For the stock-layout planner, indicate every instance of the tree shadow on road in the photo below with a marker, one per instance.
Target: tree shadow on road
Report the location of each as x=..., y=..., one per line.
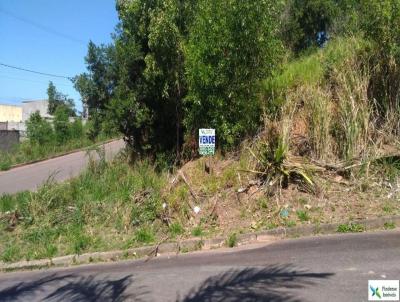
x=272, y=283
x=74, y=288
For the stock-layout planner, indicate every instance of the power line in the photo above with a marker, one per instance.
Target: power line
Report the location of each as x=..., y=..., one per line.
x=43, y=27
x=16, y=99
x=37, y=72
x=30, y=80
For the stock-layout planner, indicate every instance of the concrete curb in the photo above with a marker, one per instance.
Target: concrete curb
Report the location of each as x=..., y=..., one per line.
x=61, y=154
x=191, y=245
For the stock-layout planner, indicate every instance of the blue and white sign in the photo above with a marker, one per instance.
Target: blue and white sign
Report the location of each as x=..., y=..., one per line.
x=207, y=141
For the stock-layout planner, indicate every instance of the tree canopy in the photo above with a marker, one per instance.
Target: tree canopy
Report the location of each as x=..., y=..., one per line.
x=175, y=66
x=57, y=99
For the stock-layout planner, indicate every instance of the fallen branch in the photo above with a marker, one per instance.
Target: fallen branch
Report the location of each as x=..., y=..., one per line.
x=183, y=177
x=154, y=252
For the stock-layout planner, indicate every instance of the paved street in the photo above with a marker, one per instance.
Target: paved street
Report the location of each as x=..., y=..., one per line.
x=29, y=177
x=330, y=268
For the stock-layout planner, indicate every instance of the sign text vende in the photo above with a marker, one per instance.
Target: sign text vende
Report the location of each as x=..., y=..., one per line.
x=207, y=141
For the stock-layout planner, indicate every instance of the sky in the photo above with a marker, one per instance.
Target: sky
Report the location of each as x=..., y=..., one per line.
x=49, y=36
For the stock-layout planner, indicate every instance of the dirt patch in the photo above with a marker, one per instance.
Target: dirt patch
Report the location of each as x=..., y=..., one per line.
x=235, y=201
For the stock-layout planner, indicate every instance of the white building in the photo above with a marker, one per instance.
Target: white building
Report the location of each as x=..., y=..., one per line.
x=14, y=117
x=29, y=107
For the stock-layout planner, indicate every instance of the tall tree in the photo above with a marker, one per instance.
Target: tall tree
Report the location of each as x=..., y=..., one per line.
x=57, y=99
x=151, y=85
x=96, y=87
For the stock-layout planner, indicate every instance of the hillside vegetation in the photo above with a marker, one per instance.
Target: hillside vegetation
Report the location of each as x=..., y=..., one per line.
x=307, y=127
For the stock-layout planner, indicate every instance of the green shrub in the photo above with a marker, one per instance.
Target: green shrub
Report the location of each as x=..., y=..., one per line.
x=303, y=215
x=350, y=228
x=198, y=231
x=226, y=56
x=61, y=125
x=389, y=225
x=38, y=130
x=290, y=223
x=5, y=163
x=76, y=129
x=232, y=240
x=176, y=229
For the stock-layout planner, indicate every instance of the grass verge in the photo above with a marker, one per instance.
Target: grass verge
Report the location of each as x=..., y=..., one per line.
x=114, y=206
x=27, y=152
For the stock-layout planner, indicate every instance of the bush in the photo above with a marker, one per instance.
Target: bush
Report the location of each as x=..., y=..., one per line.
x=61, y=125
x=38, y=130
x=93, y=127
x=381, y=25
x=232, y=240
x=227, y=54
x=305, y=20
x=76, y=129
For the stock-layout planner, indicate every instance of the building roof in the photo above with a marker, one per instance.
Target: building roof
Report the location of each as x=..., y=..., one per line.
x=34, y=101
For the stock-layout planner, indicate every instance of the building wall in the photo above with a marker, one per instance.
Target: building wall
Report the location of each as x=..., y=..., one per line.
x=29, y=107
x=8, y=139
x=16, y=126
x=9, y=113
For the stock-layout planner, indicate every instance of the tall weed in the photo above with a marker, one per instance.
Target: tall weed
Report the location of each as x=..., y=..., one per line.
x=354, y=125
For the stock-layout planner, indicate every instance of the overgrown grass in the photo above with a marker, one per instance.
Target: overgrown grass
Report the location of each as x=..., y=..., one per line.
x=27, y=151
x=318, y=116
x=311, y=69
x=322, y=101
x=109, y=206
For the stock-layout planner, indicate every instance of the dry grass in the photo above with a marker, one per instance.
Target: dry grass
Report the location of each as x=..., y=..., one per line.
x=355, y=112
x=253, y=204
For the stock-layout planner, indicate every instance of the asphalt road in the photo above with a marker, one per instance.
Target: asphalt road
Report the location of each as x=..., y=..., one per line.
x=331, y=268
x=59, y=169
